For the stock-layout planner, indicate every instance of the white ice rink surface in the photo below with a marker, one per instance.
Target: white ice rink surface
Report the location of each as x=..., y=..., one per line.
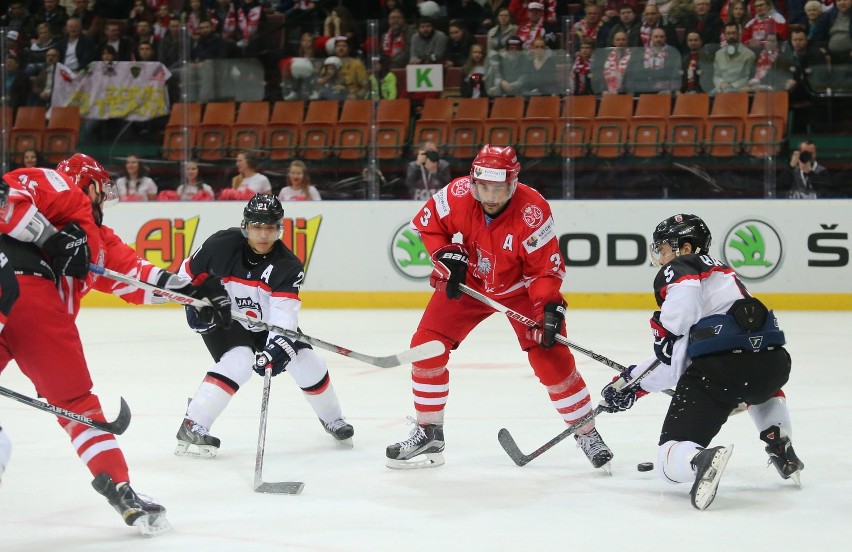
x=478, y=501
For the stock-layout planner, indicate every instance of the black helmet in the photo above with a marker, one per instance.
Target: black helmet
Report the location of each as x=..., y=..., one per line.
x=263, y=209
x=679, y=229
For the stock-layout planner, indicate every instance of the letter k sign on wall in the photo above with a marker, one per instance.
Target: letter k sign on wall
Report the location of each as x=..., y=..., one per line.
x=425, y=78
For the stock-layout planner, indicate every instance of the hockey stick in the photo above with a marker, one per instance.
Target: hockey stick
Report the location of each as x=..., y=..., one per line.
x=518, y=317
x=421, y=352
x=511, y=447
x=116, y=427
x=282, y=487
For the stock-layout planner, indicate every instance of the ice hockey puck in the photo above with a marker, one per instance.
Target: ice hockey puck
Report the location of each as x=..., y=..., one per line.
x=645, y=466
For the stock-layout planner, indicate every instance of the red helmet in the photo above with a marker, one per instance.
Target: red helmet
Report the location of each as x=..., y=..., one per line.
x=497, y=165
x=84, y=170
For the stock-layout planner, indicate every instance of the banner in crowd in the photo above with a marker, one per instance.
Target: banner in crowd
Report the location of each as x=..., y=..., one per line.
x=135, y=91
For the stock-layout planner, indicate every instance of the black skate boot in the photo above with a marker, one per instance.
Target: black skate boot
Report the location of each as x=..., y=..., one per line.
x=195, y=440
x=422, y=449
x=340, y=430
x=708, y=465
x=146, y=515
x=596, y=450
x=781, y=454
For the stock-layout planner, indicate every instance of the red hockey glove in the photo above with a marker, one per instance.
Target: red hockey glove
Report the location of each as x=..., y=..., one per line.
x=449, y=270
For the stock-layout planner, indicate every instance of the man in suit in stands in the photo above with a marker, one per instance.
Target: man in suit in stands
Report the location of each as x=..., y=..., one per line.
x=75, y=50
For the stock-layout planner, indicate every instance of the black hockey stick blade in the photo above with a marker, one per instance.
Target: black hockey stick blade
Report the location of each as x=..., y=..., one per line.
x=521, y=459
x=116, y=427
x=511, y=447
x=283, y=487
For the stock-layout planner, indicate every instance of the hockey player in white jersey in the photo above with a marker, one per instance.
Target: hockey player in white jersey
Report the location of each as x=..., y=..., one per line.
x=720, y=346
x=262, y=277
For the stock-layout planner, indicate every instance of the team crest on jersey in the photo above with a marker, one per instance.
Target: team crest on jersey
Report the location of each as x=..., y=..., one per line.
x=532, y=241
x=532, y=215
x=461, y=187
x=249, y=306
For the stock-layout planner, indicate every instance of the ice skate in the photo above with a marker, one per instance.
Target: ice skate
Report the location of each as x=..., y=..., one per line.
x=595, y=449
x=422, y=449
x=709, y=465
x=340, y=430
x=142, y=513
x=782, y=455
x=195, y=440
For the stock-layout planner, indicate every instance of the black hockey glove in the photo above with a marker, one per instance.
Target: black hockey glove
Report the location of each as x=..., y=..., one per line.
x=69, y=249
x=219, y=314
x=449, y=270
x=193, y=318
x=663, y=340
x=277, y=354
x=549, y=325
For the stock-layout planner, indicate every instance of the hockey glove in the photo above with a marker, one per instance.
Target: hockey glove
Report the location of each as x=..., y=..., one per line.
x=663, y=340
x=69, y=249
x=277, y=354
x=219, y=313
x=549, y=325
x=193, y=318
x=449, y=270
x=617, y=396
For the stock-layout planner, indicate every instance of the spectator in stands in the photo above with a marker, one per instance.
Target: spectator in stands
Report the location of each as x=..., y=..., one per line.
x=330, y=85
x=13, y=48
x=18, y=85
x=628, y=24
x=303, y=16
x=108, y=56
x=123, y=46
x=772, y=69
x=492, y=13
x=298, y=74
x=470, y=13
x=135, y=184
x=145, y=35
x=428, y=173
x=696, y=66
x=513, y=69
x=42, y=87
x=20, y=20
x=810, y=71
x=521, y=14
x=396, y=42
x=206, y=49
x=145, y=52
x=589, y=27
x=458, y=45
x=140, y=12
x=428, y=44
x=38, y=51
x=162, y=19
x=382, y=80
x=533, y=27
x=809, y=177
x=76, y=50
x=733, y=65
x=194, y=190
x=611, y=66
x=353, y=74
x=32, y=158
x=250, y=16
x=660, y=67
x=813, y=11
x=500, y=33
x=192, y=16
x=581, y=70
x=92, y=24
x=543, y=75
x=248, y=180
x=738, y=15
x=473, y=83
x=54, y=15
x=766, y=22
x=169, y=50
x=299, y=187
x=834, y=32
x=651, y=19
x=706, y=23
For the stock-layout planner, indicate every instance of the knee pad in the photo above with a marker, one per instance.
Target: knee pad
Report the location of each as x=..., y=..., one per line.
x=307, y=369
x=422, y=336
x=236, y=365
x=552, y=366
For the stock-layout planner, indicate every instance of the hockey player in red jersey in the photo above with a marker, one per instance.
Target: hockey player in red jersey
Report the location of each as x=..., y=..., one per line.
x=51, y=232
x=8, y=296
x=263, y=278
x=509, y=251
x=720, y=346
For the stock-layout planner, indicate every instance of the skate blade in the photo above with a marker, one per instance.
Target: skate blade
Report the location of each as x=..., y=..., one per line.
x=284, y=487
x=706, y=490
x=152, y=525
x=430, y=460
x=606, y=468
x=345, y=443
x=196, y=451
x=797, y=479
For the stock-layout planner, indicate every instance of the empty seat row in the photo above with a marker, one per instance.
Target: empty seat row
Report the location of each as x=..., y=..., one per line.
x=323, y=128
x=55, y=138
